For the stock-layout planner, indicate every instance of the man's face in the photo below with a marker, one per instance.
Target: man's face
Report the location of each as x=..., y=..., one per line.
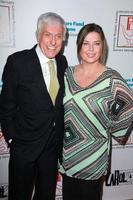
x=50, y=39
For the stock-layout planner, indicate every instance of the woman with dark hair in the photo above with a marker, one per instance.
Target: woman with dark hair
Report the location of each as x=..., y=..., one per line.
x=98, y=106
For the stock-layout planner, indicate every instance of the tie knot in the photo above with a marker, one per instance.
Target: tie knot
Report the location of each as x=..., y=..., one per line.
x=50, y=63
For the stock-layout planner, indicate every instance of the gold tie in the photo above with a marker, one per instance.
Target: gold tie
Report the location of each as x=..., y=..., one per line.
x=54, y=84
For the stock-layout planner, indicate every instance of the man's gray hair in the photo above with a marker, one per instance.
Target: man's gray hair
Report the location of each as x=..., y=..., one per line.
x=48, y=18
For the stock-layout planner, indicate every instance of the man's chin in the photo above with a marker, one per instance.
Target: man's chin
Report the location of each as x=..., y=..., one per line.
x=51, y=55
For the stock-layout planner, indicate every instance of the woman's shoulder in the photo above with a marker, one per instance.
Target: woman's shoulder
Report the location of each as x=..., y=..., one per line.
x=113, y=72
x=116, y=76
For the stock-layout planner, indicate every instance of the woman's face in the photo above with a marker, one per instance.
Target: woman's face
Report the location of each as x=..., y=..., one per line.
x=91, y=49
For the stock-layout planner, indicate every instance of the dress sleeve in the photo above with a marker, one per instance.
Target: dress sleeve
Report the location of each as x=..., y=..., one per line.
x=121, y=110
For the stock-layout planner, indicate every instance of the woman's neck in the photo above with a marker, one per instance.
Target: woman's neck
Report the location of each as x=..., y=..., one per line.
x=91, y=69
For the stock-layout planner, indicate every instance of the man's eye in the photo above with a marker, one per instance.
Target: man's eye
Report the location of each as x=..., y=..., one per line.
x=59, y=36
x=46, y=34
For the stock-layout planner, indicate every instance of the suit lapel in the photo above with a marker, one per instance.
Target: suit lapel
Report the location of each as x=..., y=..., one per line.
x=37, y=71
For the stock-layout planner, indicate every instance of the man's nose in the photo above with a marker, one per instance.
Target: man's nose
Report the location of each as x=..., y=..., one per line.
x=53, y=40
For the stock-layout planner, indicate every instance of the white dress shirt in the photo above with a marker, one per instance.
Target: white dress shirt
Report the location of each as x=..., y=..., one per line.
x=44, y=65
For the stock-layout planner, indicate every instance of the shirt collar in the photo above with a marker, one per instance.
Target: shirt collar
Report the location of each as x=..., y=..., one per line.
x=43, y=59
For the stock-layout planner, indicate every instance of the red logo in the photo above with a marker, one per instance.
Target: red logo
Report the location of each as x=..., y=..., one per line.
x=3, y=145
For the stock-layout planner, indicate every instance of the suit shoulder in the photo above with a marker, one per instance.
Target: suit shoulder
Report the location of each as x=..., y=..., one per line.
x=62, y=59
x=19, y=54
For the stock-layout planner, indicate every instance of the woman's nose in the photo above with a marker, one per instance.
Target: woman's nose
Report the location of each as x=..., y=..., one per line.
x=91, y=47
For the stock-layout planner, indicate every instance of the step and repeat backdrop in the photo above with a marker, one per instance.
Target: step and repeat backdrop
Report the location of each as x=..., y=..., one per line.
x=17, y=32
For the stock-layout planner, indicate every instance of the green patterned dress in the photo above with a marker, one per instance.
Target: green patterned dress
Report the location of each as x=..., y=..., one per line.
x=93, y=115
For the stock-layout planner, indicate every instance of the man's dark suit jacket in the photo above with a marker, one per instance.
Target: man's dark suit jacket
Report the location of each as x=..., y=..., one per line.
x=26, y=110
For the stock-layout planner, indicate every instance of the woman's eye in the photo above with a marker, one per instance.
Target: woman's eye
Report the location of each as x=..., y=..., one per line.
x=85, y=43
x=97, y=43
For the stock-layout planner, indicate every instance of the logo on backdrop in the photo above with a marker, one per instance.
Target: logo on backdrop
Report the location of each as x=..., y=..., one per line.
x=120, y=177
x=123, y=31
x=3, y=191
x=59, y=188
x=73, y=27
x=3, y=147
x=130, y=82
